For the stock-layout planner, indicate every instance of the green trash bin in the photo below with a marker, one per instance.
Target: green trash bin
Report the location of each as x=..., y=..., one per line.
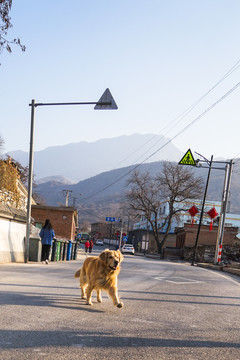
x=35, y=249
x=58, y=247
x=61, y=250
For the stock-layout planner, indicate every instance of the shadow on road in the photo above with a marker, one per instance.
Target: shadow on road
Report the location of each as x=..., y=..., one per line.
x=33, y=339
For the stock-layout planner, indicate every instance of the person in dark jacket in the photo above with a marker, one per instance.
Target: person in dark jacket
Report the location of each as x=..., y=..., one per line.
x=90, y=246
x=46, y=234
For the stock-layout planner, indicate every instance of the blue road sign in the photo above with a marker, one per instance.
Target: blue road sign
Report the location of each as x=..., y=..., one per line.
x=124, y=239
x=112, y=219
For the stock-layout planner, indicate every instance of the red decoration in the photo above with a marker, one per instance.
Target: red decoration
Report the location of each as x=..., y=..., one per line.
x=212, y=213
x=193, y=211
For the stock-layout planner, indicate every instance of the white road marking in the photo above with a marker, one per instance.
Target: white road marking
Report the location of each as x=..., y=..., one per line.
x=178, y=280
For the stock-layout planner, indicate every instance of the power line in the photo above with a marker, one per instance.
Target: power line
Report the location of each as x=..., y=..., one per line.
x=174, y=137
x=179, y=118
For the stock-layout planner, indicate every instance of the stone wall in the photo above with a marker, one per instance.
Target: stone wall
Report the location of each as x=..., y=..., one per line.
x=206, y=253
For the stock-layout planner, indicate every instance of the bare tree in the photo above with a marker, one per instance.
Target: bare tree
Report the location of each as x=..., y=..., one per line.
x=85, y=226
x=144, y=199
x=173, y=185
x=5, y=25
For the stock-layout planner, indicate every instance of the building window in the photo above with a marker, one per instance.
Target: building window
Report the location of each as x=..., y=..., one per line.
x=39, y=225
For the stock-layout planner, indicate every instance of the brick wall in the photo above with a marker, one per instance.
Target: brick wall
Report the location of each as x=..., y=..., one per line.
x=186, y=236
x=61, y=218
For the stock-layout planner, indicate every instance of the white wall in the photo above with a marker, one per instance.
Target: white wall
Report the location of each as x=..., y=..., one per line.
x=12, y=235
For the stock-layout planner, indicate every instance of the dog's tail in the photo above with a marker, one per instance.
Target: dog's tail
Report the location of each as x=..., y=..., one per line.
x=77, y=273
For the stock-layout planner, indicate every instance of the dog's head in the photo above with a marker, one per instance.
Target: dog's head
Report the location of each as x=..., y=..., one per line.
x=111, y=258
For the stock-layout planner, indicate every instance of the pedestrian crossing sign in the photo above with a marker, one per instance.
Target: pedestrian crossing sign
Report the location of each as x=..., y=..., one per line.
x=188, y=159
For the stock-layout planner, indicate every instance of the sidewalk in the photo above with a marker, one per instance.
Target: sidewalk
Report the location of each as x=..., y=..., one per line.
x=235, y=270
x=225, y=268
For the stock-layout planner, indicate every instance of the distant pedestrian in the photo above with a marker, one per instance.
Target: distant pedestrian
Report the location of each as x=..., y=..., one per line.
x=90, y=246
x=87, y=245
x=46, y=234
x=139, y=246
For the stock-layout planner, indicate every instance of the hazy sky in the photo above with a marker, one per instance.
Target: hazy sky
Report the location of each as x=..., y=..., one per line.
x=157, y=57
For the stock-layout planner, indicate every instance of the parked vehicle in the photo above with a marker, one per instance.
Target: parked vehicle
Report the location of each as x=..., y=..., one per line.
x=128, y=249
x=99, y=242
x=82, y=237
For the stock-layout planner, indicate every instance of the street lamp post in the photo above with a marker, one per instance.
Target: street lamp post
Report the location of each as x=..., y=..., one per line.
x=106, y=102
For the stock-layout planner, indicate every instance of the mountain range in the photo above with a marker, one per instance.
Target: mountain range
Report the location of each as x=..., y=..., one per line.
x=95, y=174
x=102, y=195
x=79, y=161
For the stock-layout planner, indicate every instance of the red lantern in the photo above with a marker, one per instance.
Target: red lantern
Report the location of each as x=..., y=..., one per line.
x=193, y=211
x=212, y=213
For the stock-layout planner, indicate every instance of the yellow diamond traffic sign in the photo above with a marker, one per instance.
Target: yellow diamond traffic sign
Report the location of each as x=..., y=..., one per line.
x=188, y=159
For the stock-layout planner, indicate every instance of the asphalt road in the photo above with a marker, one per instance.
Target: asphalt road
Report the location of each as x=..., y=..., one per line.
x=171, y=311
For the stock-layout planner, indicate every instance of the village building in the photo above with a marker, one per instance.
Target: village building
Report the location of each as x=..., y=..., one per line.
x=64, y=220
x=13, y=213
x=182, y=233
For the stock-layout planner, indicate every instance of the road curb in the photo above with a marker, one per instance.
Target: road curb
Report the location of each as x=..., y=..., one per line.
x=223, y=268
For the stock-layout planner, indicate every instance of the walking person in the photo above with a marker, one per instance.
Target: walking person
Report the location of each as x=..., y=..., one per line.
x=90, y=246
x=87, y=244
x=46, y=234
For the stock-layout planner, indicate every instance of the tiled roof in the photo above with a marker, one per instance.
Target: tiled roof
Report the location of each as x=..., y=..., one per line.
x=12, y=213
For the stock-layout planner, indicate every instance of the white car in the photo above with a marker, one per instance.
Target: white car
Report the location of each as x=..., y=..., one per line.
x=128, y=249
x=99, y=242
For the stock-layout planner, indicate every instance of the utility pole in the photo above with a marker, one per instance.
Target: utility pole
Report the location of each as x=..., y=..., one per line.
x=74, y=200
x=66, y=193
x=189, y=160
x=225, y=196
x=202, y=211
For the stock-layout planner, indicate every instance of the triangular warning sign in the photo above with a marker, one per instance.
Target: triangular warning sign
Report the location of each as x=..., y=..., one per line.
x=188, y=159
x=106, y=102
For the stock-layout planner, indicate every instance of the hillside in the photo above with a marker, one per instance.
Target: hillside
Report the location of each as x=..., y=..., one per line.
x=99, y=199
x=83, y=160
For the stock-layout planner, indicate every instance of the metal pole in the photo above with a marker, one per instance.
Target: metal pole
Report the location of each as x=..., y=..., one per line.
x=30, y=179
x=121, y=231
x=202, y=211
x=146, y=240
x=221, y=214
x=225, y=196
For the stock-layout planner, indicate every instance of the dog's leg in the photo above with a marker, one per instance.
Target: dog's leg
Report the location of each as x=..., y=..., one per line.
x=83, y=283
x=83, y=288
x=89, y=295
x=99, y=297
x=114, y=296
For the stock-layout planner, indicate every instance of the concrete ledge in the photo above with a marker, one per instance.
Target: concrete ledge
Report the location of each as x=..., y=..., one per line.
x=220, y=268
x=232, y=270
x=210, y=266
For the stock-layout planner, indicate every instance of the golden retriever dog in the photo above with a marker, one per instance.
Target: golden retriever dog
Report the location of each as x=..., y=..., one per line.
x=100, y=273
